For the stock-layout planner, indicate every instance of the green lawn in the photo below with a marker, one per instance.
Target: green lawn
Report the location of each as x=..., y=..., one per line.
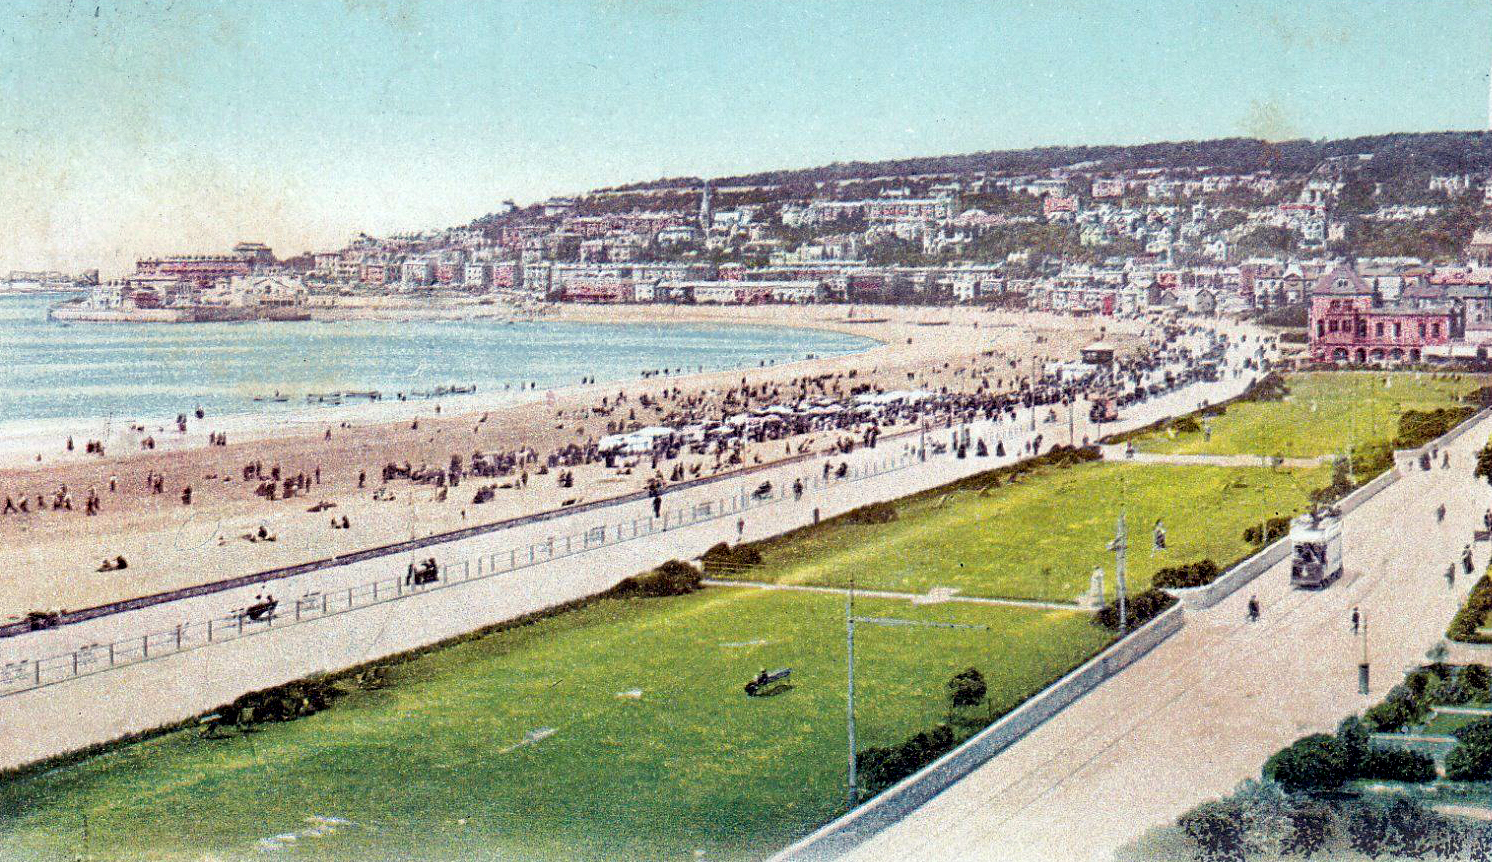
x=1445, y=725
x=427, y=768
x=1324, y=412
x=1041, y=537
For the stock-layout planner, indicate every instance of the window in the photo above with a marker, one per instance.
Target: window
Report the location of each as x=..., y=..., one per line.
x=1398, y=329
x=1378, y=329
x=1436, y=329
x=1321, y=327
x=1333, y=325
x=1421, y=330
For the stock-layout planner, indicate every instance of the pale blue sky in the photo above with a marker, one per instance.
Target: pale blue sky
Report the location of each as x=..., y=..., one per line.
x=148, y=127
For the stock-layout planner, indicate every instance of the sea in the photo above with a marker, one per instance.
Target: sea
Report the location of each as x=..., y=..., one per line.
x=60, y=375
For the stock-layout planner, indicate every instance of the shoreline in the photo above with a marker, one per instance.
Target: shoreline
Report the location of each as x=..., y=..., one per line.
x=52, y=555
x=22, y=440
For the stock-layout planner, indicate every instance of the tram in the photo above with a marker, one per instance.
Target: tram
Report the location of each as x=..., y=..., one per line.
x=1316, y=550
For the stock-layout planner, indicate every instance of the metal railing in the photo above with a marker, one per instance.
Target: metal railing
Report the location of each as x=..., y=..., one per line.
x=27, y=674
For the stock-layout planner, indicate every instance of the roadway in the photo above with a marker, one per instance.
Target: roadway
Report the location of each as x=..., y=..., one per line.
x=1206, y=708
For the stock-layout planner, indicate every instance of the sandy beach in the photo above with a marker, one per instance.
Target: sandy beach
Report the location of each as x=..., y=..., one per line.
x=51, y=556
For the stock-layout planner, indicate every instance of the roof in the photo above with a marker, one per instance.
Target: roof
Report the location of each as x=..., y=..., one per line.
x=1354, y=286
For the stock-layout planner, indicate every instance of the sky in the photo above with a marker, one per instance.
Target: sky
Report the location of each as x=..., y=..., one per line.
x=140, y=127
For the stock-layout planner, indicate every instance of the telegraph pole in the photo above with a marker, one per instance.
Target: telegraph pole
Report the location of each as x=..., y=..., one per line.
x=852, y=786
x=1119, y=546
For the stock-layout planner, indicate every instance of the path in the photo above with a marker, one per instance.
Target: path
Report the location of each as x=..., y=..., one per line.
x=1117, y=453
x=933, y=596
x=1207, y=708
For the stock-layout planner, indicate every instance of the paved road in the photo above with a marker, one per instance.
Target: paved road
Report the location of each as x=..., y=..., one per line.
x=1206, y=708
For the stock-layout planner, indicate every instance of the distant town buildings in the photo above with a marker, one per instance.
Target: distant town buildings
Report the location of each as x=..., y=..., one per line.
x=1079, y=239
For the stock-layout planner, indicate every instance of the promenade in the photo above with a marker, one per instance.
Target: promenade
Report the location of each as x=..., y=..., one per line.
x=485, y=580
x=1206, y=708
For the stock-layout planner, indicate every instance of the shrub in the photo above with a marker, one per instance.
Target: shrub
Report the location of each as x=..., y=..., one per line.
x=1271, y=387
x=1187, y=425
x=1477, y=678
x=1313, y=763
x=1141, y=608
x=1352, y=736
x=873, y=513
x=1398, y=709
x=1198, y=574
x=673, y=578
x=1469, y=618
x=1484, y=464
x=881, y=767
x=1274, y=528
x=1398, y=765
x=1217, y=829
x=285, y=702
x=967, y=688
x=1418, y=427
x=724, y=559
x=1471, y=759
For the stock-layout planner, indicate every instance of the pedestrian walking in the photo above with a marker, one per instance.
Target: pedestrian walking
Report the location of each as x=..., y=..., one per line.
x=1450, y=576
x=1253, y=609
x=1356, y=621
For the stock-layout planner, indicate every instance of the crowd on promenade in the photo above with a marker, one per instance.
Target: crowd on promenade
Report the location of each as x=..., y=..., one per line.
x=676, y=434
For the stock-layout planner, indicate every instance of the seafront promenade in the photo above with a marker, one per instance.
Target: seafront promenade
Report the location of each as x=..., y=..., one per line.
x=487, y=577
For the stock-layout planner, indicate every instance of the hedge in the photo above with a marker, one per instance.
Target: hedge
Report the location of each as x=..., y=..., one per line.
x=1141, y=608
x=1198, y=574
x=673, y=578
x=1418, y=427
x=1274, y=528
x=1468, y=619
x=880, y=767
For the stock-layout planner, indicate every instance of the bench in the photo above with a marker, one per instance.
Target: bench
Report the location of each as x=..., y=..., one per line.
x=767, y=680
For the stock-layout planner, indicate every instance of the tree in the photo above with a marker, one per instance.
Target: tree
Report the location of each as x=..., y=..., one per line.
x=1313, y=763
x=1352, y=736
x=1217, y=828
x=1471, y=759
x=967, y=688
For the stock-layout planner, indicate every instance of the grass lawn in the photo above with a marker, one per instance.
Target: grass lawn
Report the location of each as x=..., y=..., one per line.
x=1445, y=725
x=1324, y=412
x=433, y=768
x=1041, y=537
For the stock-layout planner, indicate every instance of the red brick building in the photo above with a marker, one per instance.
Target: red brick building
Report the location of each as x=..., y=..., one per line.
x=1349, y=322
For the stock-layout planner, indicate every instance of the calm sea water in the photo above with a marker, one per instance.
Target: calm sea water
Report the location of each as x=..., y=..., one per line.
x=120, y=371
